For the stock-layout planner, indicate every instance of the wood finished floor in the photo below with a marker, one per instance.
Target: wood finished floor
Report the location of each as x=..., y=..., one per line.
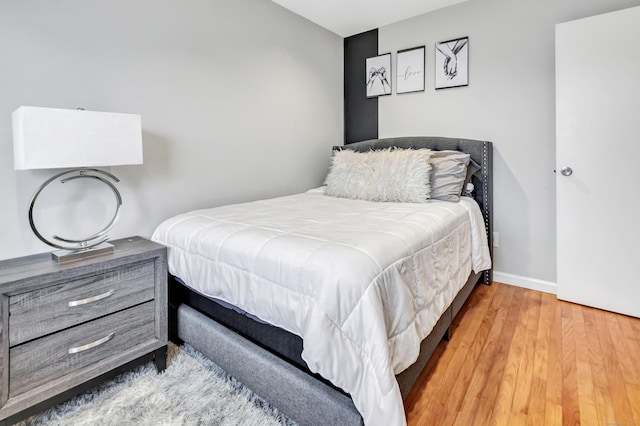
x=521, y=357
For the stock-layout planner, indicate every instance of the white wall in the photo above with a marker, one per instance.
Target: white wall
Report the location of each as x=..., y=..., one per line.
x=239, y=100
x=510, y=101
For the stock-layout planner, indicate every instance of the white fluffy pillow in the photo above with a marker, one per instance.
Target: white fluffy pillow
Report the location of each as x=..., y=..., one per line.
x=400, y=175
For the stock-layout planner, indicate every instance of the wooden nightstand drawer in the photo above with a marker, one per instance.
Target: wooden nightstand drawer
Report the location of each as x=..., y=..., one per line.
x=109, y=309
x=45, y=359
x=56, y=307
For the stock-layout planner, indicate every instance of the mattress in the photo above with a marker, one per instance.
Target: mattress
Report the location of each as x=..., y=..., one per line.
x=361, y=282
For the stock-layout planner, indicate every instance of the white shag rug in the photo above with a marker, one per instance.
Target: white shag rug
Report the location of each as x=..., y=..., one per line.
x=191, y=391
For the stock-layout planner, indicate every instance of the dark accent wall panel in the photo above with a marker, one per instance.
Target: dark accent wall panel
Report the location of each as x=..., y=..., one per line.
x=360, y=112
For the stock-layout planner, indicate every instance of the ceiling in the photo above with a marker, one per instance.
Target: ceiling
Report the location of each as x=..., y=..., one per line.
x=349, y=17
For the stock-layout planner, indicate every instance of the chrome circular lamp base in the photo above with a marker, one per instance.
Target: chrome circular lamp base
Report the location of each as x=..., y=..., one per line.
x=91, y=244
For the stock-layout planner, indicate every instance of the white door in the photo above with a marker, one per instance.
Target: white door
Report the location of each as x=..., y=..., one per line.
x=598, y=161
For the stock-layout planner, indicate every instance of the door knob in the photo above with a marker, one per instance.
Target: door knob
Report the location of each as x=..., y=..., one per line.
x=566, y=171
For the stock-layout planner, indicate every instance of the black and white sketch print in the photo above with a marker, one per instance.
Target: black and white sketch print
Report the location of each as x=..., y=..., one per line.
x=378, y=75
x=410, y=70
x=452, y=63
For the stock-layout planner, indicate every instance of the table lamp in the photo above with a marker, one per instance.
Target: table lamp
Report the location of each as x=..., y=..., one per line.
x=78, y=140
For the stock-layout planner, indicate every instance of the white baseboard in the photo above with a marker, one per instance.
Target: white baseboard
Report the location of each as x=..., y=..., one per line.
x=525, y=282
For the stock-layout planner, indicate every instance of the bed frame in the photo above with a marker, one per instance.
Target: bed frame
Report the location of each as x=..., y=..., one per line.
x=267, y=359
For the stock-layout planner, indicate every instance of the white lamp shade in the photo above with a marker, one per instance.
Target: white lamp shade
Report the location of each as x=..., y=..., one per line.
x=45, y=138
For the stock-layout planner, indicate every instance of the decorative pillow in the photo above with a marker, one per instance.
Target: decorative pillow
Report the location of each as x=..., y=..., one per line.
x=472, y=169
x=449, y=170
x=400, y=175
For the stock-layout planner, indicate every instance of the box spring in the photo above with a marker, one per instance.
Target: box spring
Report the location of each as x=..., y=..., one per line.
x=267, y=359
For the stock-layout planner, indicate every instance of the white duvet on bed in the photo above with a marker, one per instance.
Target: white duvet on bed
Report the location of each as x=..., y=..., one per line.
x=361, y=282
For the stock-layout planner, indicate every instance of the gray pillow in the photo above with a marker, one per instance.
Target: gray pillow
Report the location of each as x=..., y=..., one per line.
x=472, y=169
x=448, y=174
x=400, y=175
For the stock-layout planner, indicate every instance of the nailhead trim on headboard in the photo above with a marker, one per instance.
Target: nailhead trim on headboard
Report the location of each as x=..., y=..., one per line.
x=487, y=278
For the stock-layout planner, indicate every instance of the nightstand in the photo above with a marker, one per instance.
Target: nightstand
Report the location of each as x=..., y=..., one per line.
x=66, y=326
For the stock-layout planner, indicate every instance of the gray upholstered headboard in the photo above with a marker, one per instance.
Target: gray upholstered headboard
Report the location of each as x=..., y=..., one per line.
x=480, y=151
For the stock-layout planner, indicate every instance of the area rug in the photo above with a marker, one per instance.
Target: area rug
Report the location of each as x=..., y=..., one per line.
x=191, y=391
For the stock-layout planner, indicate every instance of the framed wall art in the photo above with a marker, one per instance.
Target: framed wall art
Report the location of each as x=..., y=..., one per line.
x=410, y=70
x=452, y=63
x=378, y=75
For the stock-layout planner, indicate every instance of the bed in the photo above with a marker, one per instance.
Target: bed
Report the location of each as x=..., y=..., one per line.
x=303, y=296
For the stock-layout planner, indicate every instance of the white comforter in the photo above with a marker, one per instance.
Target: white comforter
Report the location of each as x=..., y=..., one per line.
x=361, y=282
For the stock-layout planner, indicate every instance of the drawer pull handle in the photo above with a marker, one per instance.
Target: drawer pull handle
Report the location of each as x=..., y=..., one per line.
x=91, y=345
x=91, y=299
